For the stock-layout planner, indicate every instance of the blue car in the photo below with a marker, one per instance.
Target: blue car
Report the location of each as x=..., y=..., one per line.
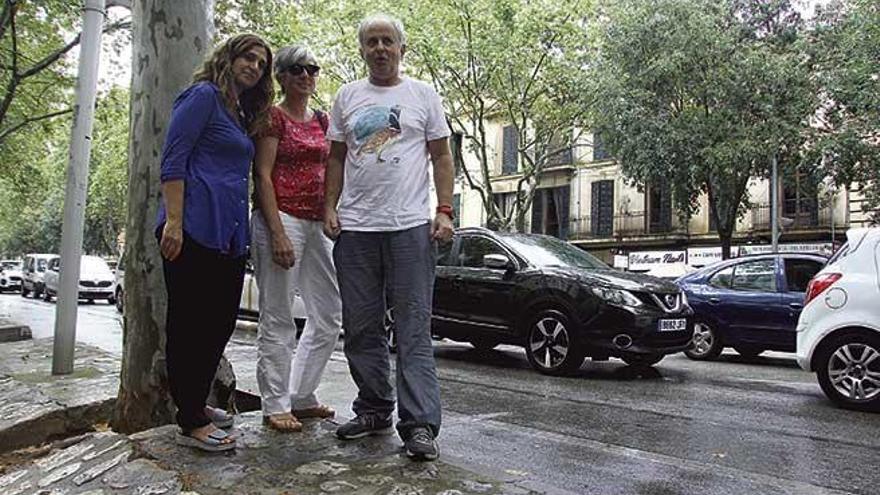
x=751, y=304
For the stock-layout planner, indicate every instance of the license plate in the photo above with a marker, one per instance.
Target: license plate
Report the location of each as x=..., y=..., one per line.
x=675, y=325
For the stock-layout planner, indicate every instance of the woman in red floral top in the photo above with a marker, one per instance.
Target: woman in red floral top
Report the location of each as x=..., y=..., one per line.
x=290, y=250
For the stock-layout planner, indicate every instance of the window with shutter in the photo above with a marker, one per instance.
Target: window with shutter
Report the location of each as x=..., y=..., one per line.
x=602, y=208
x=509, y=150
x=538, y=212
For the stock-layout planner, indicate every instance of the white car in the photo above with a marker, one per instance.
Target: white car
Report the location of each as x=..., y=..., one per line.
x=10, y=275
x=249, y=306
x=96, y=280
x=838, y=333
x=33, y=269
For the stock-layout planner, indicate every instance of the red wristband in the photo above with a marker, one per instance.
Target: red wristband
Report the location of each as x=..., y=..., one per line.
x=446, y=210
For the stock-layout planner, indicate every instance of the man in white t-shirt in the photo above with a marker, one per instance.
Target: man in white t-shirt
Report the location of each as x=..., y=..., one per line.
x=385, y=132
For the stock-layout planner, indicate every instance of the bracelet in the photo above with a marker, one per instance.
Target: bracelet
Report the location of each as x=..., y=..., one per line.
x=446, y=210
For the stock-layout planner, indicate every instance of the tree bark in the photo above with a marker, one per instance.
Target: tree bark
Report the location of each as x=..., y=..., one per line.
x=169, y=39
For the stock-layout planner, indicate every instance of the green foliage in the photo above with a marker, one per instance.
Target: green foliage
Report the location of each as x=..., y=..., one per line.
x=517, y=62
x=32, y=210
x=846, y=53
x=700, y=95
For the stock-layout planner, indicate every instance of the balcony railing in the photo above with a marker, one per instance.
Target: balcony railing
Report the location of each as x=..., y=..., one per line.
x=795, y=215
x=633, y=224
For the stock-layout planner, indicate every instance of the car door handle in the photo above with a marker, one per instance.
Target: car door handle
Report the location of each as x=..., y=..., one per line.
x=796, y=306
x=714, y=300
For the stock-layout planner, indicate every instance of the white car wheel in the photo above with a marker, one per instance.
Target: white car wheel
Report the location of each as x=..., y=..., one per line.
x=849, y=371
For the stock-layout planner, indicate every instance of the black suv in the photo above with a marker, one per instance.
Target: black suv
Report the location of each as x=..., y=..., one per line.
x=556, y=300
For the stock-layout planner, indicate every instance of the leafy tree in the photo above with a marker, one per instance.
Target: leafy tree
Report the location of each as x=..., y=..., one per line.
x=847, y=63
x=521, y=63
x=36, y=77
x=700, y=95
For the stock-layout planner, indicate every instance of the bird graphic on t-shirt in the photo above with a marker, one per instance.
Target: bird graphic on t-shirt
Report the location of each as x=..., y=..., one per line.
x=375, y=128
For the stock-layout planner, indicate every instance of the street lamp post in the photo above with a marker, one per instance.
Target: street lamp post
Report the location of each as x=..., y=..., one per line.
x=77, y=187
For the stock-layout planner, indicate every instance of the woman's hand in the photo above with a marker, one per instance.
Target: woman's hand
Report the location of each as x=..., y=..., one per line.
x=282, y=251
x=172, y=240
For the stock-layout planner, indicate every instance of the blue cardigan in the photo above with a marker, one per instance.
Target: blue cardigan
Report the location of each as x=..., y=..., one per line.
x=208, y=149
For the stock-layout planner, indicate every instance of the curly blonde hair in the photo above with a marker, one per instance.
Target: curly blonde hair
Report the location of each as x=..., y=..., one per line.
x=256, y=101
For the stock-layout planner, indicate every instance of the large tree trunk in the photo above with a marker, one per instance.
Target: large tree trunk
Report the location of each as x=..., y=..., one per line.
x=169, y=39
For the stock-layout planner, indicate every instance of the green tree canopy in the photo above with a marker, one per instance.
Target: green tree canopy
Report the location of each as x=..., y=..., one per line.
x=699, y=95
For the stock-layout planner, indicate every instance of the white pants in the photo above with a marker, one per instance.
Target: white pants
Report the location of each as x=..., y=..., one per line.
x=286, y=380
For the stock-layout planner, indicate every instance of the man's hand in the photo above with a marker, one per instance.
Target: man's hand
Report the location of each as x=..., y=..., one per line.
x=282, y=251
x=442, y=229
x=331, y=223
x=172, y=240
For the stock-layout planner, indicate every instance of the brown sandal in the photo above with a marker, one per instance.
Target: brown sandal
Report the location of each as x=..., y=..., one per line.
x=284, y=423
x=320, y=411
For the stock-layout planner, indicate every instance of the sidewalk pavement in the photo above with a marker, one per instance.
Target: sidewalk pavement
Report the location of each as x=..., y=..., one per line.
x=36, y=406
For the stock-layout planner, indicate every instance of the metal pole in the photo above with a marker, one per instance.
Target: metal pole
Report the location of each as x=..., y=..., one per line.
x=774, y=205
x=77, y=187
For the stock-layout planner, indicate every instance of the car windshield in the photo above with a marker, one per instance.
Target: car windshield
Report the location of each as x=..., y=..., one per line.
x=93, y=264
x=550, y=251
x=11, y=265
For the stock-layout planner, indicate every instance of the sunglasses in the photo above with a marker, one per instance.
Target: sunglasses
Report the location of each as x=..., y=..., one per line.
x=297, y=69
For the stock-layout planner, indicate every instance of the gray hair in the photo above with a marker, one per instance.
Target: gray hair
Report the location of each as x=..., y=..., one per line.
x=292, y=55
x=377, y=19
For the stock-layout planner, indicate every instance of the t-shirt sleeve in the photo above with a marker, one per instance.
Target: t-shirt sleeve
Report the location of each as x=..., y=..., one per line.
x=437, y=127
x=191, y=112
x=336, y=132
x=276, y=124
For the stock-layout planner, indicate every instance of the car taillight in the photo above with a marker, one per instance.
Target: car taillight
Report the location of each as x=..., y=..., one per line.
x=818, y=285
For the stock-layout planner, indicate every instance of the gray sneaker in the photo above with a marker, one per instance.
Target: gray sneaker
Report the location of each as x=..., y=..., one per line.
x=421, y=445
x=364, y=425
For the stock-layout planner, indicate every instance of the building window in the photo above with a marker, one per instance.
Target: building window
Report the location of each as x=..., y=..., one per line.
x=559, y=151
x=800, y=199
x=602, y=208
x=550, y=211
x=504, y=202
x=659, y=201
x=599, y=151
x=509, y=149
x=456, y=143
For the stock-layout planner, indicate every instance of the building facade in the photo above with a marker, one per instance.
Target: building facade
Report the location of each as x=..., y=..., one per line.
x=583, y=198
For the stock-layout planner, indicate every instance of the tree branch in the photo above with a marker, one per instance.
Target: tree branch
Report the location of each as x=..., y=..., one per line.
x=31, y=120
x=9, y=7
x=54, y=56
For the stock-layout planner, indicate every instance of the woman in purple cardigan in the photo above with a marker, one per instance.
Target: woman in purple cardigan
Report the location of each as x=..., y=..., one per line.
x=203, y=224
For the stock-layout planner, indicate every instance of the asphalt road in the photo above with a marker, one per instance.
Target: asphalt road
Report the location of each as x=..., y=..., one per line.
x=735, y=426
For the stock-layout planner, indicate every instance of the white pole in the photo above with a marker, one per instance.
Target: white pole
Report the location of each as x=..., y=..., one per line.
x=774, y=205
x=77, y=187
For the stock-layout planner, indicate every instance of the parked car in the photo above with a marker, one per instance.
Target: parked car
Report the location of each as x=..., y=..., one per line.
x=95, y=279
x=33, y=270
x=10, y=275
x=557, y=301
x=750, y=303
x=838, y=333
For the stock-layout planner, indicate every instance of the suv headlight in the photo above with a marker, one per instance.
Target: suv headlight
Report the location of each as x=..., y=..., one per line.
x=620, y=297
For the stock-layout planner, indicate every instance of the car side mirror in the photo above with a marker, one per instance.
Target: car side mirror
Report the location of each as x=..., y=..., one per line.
x=496, y=261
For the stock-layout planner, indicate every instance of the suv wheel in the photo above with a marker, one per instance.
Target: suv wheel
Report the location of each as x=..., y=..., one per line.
x=551, y=346
x=24, y=291
x=848, y=370
x=47, y=296
x=706, y=343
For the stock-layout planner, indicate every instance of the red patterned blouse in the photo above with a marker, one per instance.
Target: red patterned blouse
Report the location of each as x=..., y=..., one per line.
x=300, y=163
